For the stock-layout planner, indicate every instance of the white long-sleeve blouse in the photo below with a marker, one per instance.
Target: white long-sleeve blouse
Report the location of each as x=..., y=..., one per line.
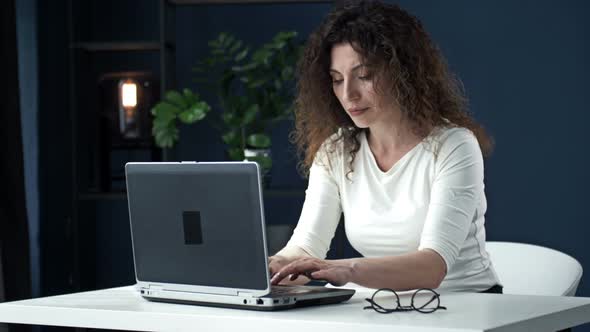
x=433, y=197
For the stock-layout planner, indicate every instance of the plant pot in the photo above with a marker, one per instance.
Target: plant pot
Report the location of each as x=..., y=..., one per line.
x=264, y=160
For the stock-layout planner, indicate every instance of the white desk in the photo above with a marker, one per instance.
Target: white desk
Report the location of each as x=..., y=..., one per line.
x=122, y=309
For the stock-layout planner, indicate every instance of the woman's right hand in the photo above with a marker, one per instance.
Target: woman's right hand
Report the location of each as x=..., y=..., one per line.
x=277, y=262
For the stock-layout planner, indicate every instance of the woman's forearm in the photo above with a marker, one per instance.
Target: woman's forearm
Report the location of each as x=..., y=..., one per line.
x=419, y=269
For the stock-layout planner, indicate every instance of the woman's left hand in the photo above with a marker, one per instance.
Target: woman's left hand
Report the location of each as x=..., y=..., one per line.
x=314, y=268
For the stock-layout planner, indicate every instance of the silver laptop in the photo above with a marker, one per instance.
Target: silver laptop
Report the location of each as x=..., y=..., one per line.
x=198, y=236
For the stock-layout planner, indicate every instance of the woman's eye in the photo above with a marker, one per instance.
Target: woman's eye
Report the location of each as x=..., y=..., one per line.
x=365, y=77
x=336, y=82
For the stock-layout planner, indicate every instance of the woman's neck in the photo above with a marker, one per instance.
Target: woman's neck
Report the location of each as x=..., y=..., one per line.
x=390, y=138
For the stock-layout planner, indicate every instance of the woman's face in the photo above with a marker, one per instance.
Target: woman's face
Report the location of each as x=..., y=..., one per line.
x=352, y=83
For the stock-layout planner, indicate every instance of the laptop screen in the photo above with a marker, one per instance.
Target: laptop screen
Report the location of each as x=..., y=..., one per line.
x=197, y=224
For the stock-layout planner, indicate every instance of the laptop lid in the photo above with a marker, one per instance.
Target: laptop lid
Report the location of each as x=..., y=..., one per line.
x=198, y=226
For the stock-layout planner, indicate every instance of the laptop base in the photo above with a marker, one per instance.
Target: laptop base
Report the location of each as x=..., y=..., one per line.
x=296, y=304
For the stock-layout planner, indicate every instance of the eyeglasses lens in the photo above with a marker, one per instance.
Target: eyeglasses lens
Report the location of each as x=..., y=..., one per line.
x=386, y=299
x=425, y=301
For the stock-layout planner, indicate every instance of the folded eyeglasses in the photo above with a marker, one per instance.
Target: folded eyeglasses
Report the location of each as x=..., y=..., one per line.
x=424, y=300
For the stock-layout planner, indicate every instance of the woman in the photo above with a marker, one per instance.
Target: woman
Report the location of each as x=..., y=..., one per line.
x=387, y=140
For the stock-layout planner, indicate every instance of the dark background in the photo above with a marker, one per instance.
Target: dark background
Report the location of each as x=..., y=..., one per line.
x=524, y=65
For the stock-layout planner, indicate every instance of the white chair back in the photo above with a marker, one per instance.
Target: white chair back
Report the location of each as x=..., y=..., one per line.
x=534, y=270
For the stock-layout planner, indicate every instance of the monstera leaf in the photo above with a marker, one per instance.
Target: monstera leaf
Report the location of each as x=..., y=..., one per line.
x=185, y=107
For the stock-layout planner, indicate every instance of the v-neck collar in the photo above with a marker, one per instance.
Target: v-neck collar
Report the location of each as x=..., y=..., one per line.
x=396, y=165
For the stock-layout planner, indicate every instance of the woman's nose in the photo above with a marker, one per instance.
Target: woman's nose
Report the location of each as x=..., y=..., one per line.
x=351, y=91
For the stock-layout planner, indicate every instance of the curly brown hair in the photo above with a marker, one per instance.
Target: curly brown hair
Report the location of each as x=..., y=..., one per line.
x=407, y=66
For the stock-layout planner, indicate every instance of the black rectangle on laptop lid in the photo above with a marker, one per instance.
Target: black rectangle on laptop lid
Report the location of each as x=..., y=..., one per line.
x=197, y=224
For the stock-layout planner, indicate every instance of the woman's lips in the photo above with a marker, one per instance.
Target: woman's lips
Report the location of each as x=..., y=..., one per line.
x=357, y=111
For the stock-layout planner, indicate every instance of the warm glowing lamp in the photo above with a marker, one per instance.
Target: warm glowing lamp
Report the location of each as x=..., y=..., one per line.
x=128, y=110
x=129, y=94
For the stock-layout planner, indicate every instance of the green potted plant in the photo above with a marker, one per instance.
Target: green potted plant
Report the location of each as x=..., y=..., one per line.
x=255, y=90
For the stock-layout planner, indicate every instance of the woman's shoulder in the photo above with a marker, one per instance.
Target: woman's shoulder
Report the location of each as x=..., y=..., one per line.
x=451, y=140
x=333, y=145
x=452, y=134
x=331, y=150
